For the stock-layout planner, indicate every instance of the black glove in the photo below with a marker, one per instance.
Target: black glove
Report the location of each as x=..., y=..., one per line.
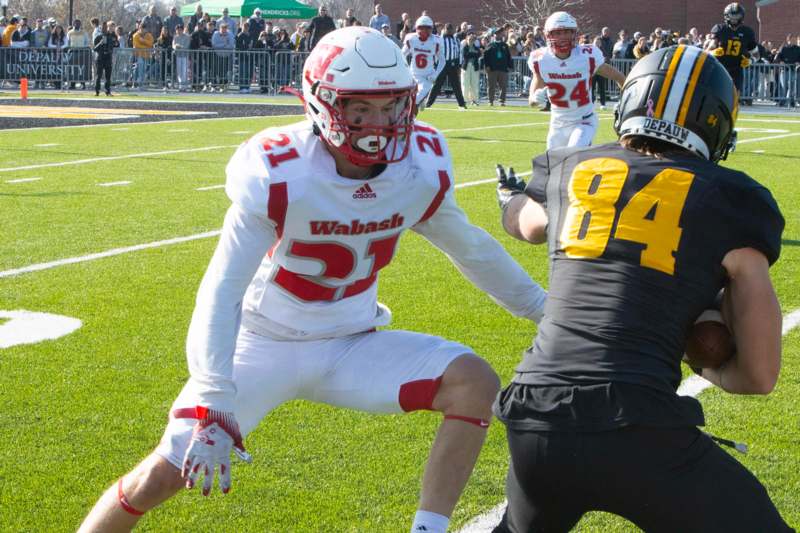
x=508, y=186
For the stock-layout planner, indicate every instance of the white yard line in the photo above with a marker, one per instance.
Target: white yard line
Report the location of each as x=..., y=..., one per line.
x=107, y=253
x=45, y=145
x=118, y=157
x=156, y=244
x=114, y=183
x=758, y=139
x=23, y=180
x=186, y=150
x=210, y=187
x=691, y=386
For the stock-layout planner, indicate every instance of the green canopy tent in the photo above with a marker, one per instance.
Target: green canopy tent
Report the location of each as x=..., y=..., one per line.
x=270, y=9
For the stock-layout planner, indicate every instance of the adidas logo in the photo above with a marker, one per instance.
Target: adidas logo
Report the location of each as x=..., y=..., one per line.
x=364, y=192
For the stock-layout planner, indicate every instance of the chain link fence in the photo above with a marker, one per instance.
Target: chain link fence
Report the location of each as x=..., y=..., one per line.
x=268, y=71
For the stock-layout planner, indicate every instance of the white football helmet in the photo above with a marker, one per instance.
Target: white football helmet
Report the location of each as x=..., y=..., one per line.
x=424, y=27
x=561, y=20
x=359, y=62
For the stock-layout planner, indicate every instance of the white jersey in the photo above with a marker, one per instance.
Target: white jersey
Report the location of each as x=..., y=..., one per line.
x=569, y=81
x=427, y=57
x=307, y=245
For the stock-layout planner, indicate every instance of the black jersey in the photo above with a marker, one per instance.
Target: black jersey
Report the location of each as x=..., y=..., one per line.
x=635, y=245
x=735, y=44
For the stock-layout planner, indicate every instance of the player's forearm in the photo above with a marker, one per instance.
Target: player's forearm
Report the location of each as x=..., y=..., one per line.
x=754, y=315
x=482, y=260
x=215, y=322
x=525, y=220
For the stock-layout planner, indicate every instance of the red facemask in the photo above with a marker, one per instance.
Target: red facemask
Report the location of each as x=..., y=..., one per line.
x=562, y=44
x=371, y=144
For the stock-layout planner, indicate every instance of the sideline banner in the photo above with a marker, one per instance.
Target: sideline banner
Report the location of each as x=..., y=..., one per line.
x=44, y=64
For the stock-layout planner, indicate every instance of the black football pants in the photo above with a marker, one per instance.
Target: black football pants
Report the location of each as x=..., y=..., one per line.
x=662, y=480
x=451, y=73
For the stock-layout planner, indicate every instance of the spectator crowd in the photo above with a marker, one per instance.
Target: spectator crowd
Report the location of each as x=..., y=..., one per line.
x=198, y=52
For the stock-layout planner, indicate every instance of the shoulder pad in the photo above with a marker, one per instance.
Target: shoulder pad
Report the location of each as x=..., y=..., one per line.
x=429, y=152
x=753, y=212
x=271, y=156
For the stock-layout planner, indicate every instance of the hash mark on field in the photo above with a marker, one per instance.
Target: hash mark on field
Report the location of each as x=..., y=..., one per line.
x=182, y=130
x=758, y=151
x=23, y=180
x=114, y=183
x=120, y=129
x=210, y=187
x=243, y=132
x=691, y=386
x=45, y=145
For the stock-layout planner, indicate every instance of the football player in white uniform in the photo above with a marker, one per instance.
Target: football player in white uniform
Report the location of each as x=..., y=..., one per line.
x=288, y=306
x=425, y=53
x=566, y=70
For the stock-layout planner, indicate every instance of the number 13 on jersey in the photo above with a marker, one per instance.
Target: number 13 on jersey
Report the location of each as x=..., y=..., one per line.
x=651, y=217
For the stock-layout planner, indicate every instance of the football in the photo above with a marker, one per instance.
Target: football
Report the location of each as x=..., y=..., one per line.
x=710, y=342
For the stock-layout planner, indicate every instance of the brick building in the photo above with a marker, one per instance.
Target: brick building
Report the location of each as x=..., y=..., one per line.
x=633, y=15
x=778, y=19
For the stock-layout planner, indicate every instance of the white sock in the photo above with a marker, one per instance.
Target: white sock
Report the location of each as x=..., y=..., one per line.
x=428, y=522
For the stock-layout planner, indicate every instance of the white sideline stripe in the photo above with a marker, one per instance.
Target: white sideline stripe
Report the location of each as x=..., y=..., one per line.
x=114, y=183
x=23, y=180
x=768, y=138
x=107, y=253
x=45, y=145
x=118, y=157
x=145, y=123
x=691, y=386
x=156, y=244
x=210, y=187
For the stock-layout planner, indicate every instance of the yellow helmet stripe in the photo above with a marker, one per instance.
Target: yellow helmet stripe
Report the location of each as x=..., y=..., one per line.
x=689, y=94
x=673, y=67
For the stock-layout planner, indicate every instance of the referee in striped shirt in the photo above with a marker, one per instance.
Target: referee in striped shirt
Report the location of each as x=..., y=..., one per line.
x=452, y=68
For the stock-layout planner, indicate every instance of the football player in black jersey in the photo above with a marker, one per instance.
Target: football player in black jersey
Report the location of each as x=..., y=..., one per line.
x=734, y=44
x=642, y=234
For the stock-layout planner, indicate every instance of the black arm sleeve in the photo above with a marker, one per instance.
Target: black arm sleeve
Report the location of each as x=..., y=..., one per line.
x=537, y=186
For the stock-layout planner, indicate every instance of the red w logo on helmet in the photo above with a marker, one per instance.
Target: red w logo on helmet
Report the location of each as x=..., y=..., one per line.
x=320, y=59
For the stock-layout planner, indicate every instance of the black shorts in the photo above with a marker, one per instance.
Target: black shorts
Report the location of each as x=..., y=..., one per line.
x=661, y=479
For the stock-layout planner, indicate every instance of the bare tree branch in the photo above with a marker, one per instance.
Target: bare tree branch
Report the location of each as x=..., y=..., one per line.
x=534, y=12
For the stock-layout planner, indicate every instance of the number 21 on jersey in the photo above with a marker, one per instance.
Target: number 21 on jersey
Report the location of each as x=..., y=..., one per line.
x=650, y=217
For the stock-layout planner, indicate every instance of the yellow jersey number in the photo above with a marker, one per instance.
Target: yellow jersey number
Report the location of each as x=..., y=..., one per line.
x=651, y=216
x=734, y=48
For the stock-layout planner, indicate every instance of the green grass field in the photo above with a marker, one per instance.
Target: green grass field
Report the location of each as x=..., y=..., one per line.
x=79, y=411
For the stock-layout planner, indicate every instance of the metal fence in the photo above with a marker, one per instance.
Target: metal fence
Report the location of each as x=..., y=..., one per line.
x=268, y=71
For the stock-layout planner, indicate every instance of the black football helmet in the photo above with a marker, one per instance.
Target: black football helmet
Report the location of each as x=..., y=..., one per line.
x=733, y=14
x=681, y=95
